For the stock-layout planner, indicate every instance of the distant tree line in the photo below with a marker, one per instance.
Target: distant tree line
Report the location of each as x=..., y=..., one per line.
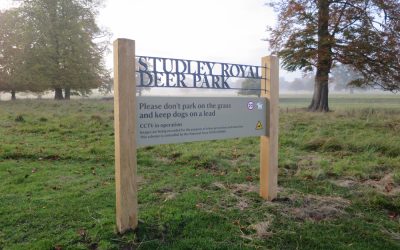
x=253, y=86
x=52, y=45
x=341, y=78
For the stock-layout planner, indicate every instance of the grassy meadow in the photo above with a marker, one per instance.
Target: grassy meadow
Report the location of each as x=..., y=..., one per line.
x=339, y=181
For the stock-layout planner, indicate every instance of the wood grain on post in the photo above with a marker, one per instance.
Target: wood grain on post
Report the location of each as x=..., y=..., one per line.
x=269, y=144
x=125, y=138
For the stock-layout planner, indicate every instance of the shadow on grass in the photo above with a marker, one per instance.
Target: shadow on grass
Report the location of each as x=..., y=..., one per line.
x=181, y=230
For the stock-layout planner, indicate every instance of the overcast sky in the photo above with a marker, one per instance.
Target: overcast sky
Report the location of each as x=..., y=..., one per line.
x=223, y=30
x=212, y=30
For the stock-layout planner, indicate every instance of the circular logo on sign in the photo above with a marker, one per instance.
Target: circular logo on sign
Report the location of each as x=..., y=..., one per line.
x=250, y=105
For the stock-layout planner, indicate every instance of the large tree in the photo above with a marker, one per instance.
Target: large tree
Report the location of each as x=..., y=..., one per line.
x=250, y=86
x=12, y=53
x=67, y=46
x=314, y=35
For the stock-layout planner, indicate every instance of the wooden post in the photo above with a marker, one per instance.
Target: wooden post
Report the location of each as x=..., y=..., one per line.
x=269, y=144
x=125, y=139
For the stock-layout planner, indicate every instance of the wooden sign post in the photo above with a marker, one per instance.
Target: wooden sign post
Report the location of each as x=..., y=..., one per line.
x=221, y=118
x=125, y=135
x=269, y=144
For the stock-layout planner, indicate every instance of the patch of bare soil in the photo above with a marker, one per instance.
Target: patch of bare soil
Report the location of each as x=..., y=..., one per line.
x=393, y=235
x=302, y=207
x=385, y=185
x=169, y=196
x=243, y=188
x=236, y=188
x=167, y=193
x=263, y=229
x=237, y=191
x=164, y=160
x=307, y=165
x=257, y=230
x=299, y=206
x=346, y=183
x=309, y=162
x=314, y=207
x=218, y=185
x=242, y=204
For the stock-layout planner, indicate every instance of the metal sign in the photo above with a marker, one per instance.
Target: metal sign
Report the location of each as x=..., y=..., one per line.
x=182, y=73
x=164, y=120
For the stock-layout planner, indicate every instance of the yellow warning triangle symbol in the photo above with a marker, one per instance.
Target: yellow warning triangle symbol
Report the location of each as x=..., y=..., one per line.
x=259, y=125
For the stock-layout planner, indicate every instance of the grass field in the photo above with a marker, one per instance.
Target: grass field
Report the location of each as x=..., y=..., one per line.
x=339, y=181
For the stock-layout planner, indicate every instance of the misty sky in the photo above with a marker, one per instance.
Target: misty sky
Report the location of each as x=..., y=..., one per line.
x=224, y=30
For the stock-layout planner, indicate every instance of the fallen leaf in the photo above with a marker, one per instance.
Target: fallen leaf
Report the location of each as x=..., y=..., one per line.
x=393, y=215
x=199, y=205
x=236, y=222
x=389, y=187
x=82, y=232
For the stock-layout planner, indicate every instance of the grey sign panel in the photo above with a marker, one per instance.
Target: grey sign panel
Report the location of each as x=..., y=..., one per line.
x=164, y=120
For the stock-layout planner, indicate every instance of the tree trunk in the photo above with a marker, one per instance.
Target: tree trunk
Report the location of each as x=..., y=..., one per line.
x=58, y=95
x=321, y=89
x=324, y=61
x=13, y=95
x=67, y=92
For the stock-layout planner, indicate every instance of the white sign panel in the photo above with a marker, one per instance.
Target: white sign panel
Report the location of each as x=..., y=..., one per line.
x=164, y=120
